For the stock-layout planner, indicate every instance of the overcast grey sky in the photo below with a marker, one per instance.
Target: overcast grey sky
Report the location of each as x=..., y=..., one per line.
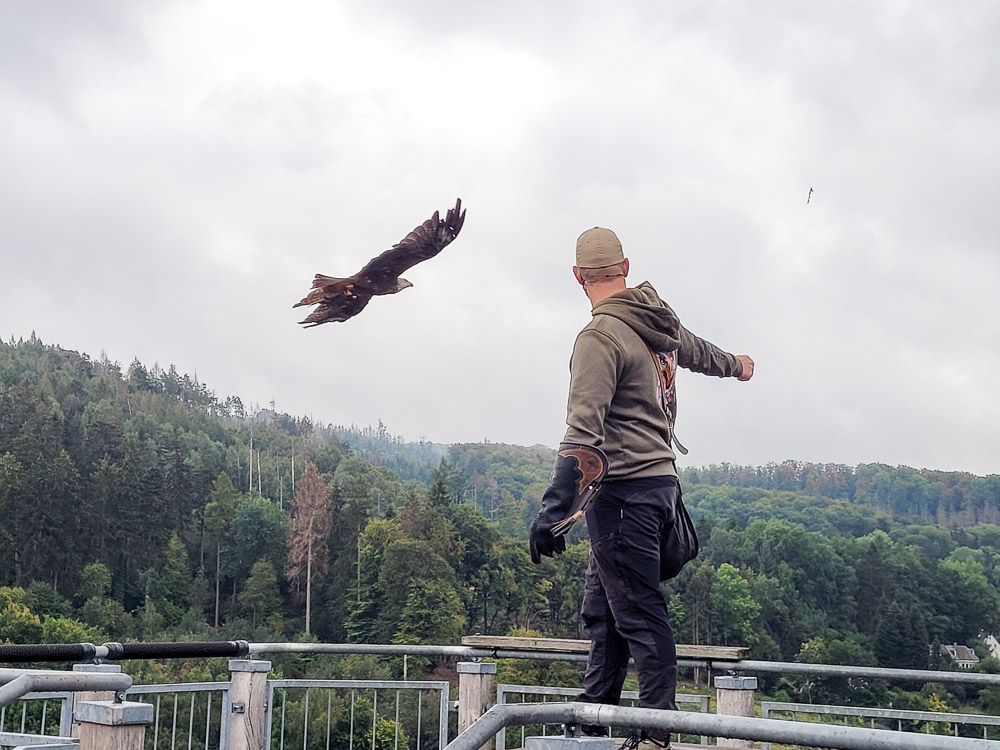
x=172, y=173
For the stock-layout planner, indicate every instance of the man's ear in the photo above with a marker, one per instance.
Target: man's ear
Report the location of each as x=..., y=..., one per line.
x=578, y=275
x=625, y=268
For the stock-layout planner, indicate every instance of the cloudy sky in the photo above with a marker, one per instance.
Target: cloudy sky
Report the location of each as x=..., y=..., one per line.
x=172, y=173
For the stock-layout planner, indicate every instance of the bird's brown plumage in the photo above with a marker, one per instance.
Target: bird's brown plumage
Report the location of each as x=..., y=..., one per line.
x=340, y=299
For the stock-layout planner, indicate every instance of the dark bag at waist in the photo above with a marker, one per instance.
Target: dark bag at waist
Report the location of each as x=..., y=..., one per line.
x=679, y=544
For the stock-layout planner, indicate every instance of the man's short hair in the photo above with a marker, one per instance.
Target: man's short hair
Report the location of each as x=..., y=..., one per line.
x=597, y=275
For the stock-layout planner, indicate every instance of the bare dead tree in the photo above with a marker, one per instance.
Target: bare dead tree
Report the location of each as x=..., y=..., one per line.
x=308, y=553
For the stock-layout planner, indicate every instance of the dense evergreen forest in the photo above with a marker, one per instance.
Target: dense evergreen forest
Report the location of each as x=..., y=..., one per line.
x=137, y=504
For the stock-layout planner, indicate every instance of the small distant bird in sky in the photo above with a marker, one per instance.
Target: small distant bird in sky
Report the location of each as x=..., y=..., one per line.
x=809, y=197
x=340, y=299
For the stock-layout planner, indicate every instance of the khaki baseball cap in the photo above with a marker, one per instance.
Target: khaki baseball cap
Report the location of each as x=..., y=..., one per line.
x=598, y=248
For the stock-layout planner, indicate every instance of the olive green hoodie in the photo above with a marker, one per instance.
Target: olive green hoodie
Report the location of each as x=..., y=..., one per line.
x=617, y=398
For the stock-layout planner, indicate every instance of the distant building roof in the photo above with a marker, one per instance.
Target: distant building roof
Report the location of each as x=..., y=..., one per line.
x=961, y=655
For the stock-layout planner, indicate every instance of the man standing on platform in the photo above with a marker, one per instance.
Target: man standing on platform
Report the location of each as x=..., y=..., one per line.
x=622, y=405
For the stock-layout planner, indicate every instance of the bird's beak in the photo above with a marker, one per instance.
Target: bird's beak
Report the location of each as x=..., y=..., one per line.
x=402, y=284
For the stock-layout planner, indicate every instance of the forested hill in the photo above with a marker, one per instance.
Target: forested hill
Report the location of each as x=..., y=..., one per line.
x=408, y=460
x=950, y=499
x=136, y=503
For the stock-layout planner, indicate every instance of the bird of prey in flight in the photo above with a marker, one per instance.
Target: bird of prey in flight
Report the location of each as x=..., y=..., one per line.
x=809, y=197
x=339, y=299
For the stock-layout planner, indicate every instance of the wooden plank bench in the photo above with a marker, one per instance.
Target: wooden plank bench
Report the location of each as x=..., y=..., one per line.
x=574, y=646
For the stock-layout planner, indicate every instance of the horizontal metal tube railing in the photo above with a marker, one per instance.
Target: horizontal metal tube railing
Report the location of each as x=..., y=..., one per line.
x=569, y=694
x=113, y=651
x=714, y=725
x=118, y=651
x=19, y=741
x=16, y=683
x=878, y=673
x=50, y=743
x=381, y=649
x=769, y=708
x=742, y=665
x=181, y=687
x=878, y=713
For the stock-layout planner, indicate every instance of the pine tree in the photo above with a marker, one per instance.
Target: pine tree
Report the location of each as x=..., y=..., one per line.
x=901, y=639
x=697, y=601
x=260, y=599
x=41, y=502
x=170, y=587
x=138, y=522
x=176, y=478
x=439, y=495
x=218, y=518
x=870, y=573
x=433, y=613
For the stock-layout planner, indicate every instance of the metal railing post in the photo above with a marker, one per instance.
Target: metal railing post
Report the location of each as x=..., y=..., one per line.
x=107, y=725
x=248, y=705
x=476, y=686
x=734, y=697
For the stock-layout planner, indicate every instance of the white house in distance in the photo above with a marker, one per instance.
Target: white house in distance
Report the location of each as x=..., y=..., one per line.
x=993, y=645
x=963, y=656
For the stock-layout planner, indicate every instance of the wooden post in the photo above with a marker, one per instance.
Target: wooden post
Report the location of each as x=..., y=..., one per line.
x=106, y=725
x=88, y=695
x=248, y=701
x=734, y=696
x=476, y=691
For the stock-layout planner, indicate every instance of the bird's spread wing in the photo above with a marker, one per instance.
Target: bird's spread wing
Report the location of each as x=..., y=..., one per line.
x=424, y=242
x=339, y=299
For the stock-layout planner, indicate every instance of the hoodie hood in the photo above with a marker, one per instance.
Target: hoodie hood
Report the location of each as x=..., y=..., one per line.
x=645, y=313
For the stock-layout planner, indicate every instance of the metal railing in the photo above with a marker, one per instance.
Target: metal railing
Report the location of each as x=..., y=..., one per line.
x=714, y=725
x=118, y=651
x=299, y=715
x=184, y=707
x=927, y=718
x=16, y=683
x=632, y=696
x=31, y=742
x=23, y=726
x=722, y=666
x=37, y=722
x=363, y=722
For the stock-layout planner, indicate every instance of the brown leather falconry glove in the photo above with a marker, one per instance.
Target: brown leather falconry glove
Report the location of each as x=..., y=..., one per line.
x=575, y=481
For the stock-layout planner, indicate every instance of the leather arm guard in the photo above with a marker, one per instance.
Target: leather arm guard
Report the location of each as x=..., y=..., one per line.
x=575, y=482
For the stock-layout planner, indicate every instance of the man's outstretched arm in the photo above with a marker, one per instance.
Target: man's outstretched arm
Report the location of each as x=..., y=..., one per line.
x=698, y=355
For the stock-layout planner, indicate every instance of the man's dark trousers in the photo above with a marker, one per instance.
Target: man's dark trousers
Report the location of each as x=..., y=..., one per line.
x=623, y=608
